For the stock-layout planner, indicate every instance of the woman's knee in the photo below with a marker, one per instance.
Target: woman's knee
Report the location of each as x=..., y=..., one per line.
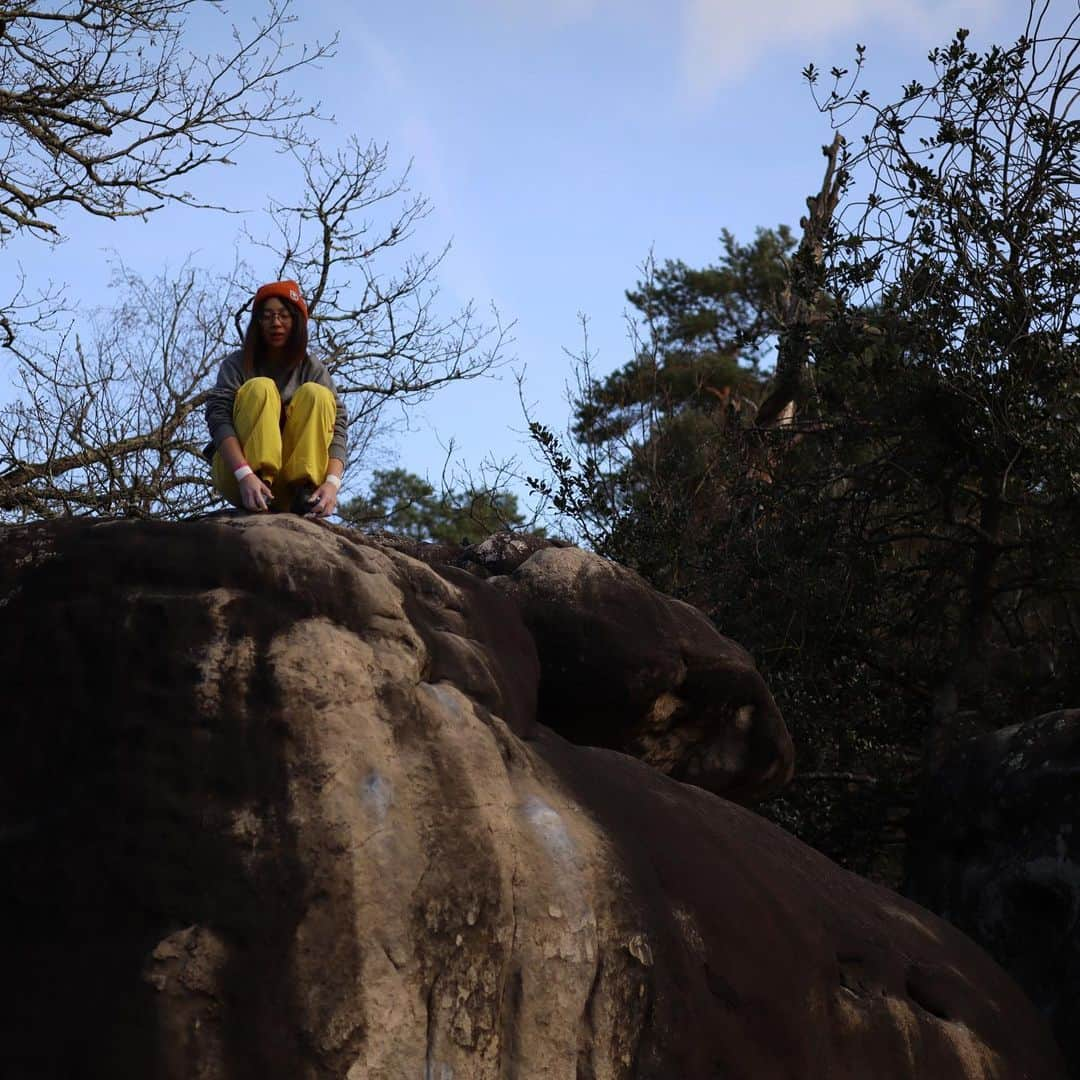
x=257, y=389
x=314, y=391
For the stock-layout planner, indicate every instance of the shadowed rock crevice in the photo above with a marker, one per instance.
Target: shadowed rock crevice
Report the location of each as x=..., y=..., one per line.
x=923, y=989
x=510, y=1007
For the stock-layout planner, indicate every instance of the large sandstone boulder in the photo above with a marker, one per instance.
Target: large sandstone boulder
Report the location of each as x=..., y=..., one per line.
x=996, y=850
x=275, y=804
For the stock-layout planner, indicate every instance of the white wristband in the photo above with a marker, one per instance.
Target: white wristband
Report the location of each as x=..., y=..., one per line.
x=244, y=470
x=331, y=478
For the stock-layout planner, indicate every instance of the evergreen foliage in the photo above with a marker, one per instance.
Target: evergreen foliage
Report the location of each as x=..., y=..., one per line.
x=401, y=502
x=903, y=559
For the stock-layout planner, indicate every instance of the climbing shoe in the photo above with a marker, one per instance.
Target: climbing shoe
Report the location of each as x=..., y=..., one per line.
x=301, y=500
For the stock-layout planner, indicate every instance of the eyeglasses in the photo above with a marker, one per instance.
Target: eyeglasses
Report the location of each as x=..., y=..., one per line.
x=276, y=317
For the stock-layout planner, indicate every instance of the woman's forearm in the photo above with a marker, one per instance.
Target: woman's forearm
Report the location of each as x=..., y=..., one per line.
x=232, y=452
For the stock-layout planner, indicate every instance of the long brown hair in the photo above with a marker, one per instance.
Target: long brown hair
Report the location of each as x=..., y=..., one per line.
x=254, y=349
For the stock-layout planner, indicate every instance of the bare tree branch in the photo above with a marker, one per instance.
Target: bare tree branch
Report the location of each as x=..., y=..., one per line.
x=102, y=106
x=800, y=299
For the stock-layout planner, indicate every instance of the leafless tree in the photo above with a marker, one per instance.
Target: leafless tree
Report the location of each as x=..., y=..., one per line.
x=103, y=107
x=110, y=421
x=385, y=336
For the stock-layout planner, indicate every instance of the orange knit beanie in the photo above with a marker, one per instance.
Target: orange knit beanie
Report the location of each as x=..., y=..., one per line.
x=283, y=290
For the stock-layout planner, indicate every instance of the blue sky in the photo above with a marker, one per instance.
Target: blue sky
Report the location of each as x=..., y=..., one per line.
x=559, y=142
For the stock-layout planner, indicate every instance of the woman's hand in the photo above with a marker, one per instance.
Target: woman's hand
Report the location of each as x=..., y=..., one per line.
x=324, y=502
x=254, y=493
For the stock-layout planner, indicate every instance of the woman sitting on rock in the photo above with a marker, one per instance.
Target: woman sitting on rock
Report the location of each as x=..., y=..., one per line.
x=277, y=424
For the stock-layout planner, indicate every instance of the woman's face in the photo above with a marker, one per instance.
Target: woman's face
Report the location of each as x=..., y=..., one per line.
x=275, y=321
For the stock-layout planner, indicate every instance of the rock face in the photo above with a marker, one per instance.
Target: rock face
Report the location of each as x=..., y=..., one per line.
x=276, y=803
x=627, y=668
x=996, y=850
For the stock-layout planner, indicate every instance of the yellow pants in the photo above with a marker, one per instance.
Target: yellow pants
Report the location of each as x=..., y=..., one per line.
x=285, y=456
